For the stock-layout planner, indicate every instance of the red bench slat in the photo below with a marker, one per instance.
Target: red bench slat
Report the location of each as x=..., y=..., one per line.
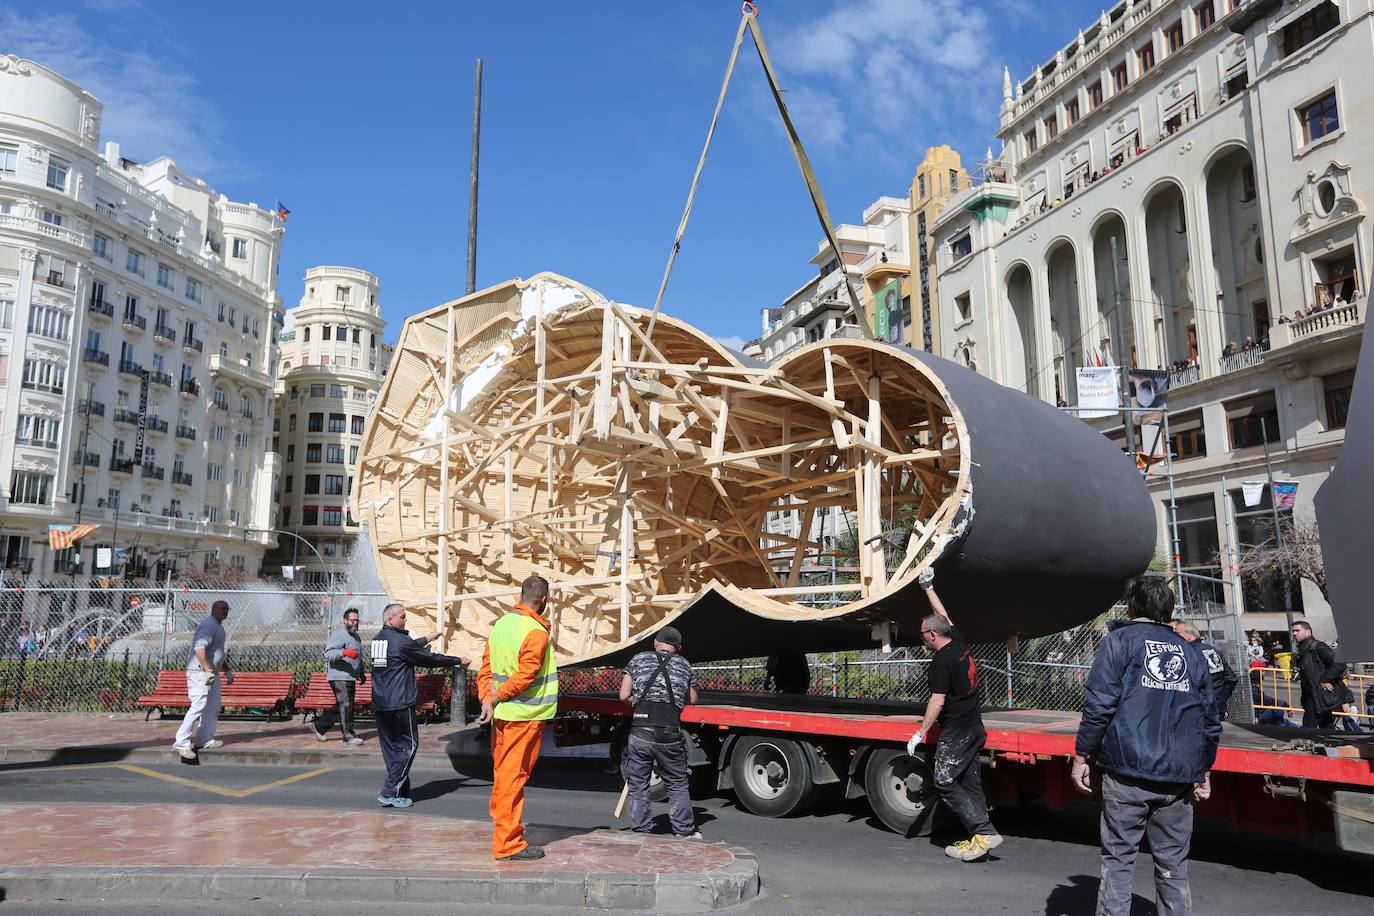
x=251, y=689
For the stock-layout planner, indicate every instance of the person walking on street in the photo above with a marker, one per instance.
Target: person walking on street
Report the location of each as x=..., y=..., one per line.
x=395, y=655
x=343, y=655
x=1321, y=676
x=1224, y=680
x=954, y=705
x=1150, y=721
x=518, y=686
x=208, y=657
x=658, y=685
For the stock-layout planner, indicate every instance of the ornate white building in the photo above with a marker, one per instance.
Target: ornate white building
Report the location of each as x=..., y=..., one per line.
x=1225, y=147
x=332, y=365
x=138, y=318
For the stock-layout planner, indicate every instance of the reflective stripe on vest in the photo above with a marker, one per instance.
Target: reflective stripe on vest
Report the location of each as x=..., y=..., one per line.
x=540, y=699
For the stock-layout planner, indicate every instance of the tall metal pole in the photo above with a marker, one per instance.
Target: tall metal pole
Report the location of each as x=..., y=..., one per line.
x=1173, y=507
x=472, y=180
x=1119, y=334
x=1278, y=537
x=85, y=438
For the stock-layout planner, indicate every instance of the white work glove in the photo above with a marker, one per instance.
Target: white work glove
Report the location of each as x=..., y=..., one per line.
x=914, y=742
x=926, y=577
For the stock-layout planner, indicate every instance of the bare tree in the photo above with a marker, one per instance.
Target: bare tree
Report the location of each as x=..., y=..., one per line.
x=1295, y=554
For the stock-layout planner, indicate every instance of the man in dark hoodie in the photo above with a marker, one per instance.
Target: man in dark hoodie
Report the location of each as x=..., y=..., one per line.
x=395, y=656
x=1151, y=722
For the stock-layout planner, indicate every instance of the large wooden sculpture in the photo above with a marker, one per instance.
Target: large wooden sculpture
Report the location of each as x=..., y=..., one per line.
x=536, y=427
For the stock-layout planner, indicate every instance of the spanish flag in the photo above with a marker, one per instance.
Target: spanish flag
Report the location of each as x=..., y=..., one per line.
x=60, y=537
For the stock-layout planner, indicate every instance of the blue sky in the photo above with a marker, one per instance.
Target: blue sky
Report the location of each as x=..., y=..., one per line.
x=357, y=116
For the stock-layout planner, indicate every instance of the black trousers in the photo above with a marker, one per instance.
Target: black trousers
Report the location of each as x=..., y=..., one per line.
x=958, y=779
x=399, y=737
x=342, y=711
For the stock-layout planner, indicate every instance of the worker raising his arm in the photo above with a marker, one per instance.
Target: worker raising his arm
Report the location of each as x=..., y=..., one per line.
x=954, y=705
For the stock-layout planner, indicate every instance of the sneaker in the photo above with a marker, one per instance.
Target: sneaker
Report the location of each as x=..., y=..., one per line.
x=351, y=739
x=694, y=835
x=319, y=735
x=186, y=753
x=524, y=855
x=976, y=847
x=395, y=801
x=957, y=850
x=211, y=745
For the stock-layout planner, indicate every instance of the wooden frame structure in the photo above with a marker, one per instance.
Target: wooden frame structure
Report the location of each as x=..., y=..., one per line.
x=536, y=428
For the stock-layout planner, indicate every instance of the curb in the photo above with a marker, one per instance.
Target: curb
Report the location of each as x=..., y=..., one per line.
x=681, y=892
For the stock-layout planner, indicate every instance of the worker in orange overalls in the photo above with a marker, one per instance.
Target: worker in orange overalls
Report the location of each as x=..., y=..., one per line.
x=518, y=686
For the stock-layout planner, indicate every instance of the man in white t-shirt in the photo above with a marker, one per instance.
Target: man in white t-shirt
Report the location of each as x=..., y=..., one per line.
x=206, y=661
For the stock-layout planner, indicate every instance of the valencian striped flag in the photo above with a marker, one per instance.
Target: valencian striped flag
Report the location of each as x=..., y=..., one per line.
x=282, y=212
x=60, y=537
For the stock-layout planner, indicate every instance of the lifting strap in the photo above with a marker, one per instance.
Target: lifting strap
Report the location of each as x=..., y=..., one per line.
x=749, y=20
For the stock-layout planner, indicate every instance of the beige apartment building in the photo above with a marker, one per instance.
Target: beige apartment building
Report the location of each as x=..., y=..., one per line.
x=332, y=364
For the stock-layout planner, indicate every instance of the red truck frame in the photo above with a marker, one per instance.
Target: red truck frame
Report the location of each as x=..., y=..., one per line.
x=775, y=752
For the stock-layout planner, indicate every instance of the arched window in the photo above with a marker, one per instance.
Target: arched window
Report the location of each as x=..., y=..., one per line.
x=246, y=406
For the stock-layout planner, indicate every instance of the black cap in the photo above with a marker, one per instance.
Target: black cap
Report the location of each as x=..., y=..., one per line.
x=669, y=636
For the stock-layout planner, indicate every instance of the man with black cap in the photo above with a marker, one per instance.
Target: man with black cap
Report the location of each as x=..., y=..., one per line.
x=658, y=685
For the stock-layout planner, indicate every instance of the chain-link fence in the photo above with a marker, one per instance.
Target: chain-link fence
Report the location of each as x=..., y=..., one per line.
x=100, y=649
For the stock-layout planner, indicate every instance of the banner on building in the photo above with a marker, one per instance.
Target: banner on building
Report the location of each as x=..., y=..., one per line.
x=1149, y=392
x=142, y=429
x=103, y=555
x=1097, y=392
x=1253, y=491
x=288, y=572
x=1286, y=494
x=887, y=312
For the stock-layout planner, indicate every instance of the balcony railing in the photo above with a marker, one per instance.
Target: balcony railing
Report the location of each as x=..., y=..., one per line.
x=1315, y=325
x=181, y=479
x=190, y=386
x=124, y=415
x=153, y=471
x=1242, y=360
x=23, y=565
x=186, y=432
x=163, y=332
x=100, y=307
x=99, y=357
x=156, y=425
x=1180, y=377
x=89, y=459
x=91, y=407
x=129, y=367
x=136, y=322
x=121, y=465
x=35, y=442
x=193, y=345
x=160, y=378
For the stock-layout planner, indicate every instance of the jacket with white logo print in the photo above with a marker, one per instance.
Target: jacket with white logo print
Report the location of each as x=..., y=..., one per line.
x=1149, y=710
x=395, y=654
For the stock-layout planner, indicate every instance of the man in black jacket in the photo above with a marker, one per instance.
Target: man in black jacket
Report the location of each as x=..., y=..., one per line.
x=395, y=656
x=1150, y=720
x=1224, y=679
x=1322, y=678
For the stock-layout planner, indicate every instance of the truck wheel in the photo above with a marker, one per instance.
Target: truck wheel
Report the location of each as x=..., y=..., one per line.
x=771, y=776
x=658, y=792
x=901, y=791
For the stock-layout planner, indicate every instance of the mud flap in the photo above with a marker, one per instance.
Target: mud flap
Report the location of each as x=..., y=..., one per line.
x=1353, y=813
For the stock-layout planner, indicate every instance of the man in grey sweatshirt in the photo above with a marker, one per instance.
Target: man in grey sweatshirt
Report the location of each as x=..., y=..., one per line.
x=343, y=655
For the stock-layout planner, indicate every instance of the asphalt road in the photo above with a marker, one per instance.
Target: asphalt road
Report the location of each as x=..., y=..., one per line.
x=831, y=861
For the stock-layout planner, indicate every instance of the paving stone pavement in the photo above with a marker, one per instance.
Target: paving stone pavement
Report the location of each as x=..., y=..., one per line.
x=111, y=851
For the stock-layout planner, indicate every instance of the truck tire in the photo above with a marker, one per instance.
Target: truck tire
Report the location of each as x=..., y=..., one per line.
x=901, y=791
x=771, y=776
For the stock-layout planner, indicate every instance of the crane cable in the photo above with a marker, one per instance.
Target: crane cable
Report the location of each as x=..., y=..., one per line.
x=749, y=20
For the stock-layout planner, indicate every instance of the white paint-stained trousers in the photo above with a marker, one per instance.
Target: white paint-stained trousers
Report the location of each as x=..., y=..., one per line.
x=203, y=716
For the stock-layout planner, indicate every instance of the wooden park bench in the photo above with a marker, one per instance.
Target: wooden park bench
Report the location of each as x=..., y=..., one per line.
x=269, y=690
x=432, y=696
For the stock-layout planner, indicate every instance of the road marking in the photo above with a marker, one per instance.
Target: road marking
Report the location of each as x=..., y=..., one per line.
x=184, y=781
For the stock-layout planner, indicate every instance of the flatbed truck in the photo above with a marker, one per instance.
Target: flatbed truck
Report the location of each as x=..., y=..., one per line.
x=775, y=752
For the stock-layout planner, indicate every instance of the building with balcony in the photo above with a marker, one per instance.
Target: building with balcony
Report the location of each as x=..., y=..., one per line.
x=1184, y=186
x=939, y=176
x=332, y=363
x=114, y=276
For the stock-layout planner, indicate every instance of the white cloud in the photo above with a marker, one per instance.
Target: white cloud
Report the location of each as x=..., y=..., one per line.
x=890, y=75
x=153, y=106
x=733, y=341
